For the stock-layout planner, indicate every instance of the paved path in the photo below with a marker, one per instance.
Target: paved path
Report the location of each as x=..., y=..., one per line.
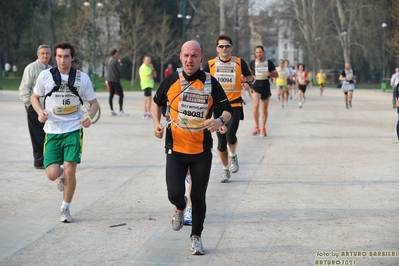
x=323, y=182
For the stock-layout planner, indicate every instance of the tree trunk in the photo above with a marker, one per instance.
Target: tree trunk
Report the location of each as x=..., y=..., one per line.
x=133, y=71
x=222, y=29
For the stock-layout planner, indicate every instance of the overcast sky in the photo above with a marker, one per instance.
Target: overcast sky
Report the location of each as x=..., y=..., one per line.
x=257, y=5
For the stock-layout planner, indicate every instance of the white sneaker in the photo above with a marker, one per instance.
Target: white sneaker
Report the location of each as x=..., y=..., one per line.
x=144, y=116
x=234, y=163
x=123, y=113
x=61, y=180
x=188, y=179
x=188, y=218
x=225, y=176
x=177, y=217
x=196, y=247
x=65, y=216
x=113, y=113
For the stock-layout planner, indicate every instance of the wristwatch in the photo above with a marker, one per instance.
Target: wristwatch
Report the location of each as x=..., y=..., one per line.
x=223, y=120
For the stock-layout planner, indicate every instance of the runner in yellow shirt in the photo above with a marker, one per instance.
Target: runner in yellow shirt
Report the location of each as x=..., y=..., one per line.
x=281, y=81
x=321, y=79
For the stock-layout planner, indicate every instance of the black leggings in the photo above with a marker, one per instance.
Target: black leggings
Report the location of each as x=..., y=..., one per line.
x=232, y=127
x=177, y=165
x=115, y=87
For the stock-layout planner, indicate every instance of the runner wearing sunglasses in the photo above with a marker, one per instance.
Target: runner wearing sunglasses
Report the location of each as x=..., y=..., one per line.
x=227, y=69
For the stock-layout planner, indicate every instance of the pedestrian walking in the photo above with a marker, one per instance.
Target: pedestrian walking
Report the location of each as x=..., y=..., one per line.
x=147, y=74
x=113, y=80
x=394, y=84
x=28, y=81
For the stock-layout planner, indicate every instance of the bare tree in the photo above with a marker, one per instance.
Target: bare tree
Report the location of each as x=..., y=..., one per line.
x=165, y=46
x=242, y=29
x=205, y=23
x=310, y=15
x=235, y=14
x=343, y=19
x=136, y=33
x=79, y=28
x=393, y=30
x=222, y=17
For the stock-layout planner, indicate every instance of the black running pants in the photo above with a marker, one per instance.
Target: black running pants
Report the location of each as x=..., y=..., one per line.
x=177, y=165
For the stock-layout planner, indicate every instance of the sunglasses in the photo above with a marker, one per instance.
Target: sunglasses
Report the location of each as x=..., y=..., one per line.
x=227, y=46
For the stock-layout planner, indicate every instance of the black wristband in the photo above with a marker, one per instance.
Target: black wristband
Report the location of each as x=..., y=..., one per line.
x=223, y=120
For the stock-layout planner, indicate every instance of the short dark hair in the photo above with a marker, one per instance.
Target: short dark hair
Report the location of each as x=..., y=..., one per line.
x=261, y=47
x=301, y=65
x=63, y=46
x=224, y=37
x=113, y=51
x=76, y=60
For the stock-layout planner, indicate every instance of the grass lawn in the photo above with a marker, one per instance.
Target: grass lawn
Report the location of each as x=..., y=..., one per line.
x=371, y=86
x=12, y=83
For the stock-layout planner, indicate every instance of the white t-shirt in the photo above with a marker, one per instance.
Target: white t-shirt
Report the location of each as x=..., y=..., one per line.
x=395, y=79
x=68, y=122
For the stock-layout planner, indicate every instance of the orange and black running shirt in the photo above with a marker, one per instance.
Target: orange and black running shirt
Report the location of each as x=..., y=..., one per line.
x=192, y=99
x=228, y=73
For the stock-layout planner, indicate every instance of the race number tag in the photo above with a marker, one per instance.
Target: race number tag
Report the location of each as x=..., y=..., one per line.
x=261, y=68
x=226, y=77
x=349, y=75
x=65, y=102
x=226, y=74
x=193, y=108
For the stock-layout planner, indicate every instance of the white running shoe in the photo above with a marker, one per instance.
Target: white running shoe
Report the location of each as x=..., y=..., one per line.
x=123, y=113
x=225, y=176
x=113, y=113
x=65, y=216
x=196, y=247
x=177, y=218
x=234, y=164
x=188, y=179
x=188, y=216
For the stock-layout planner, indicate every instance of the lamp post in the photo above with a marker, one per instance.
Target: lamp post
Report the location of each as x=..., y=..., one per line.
x=94, y=6
x=297, y=52
x=345, y=46
x=383, y=84
x=184, y=17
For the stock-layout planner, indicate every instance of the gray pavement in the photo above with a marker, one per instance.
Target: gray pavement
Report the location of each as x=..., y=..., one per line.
x=324, y=182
